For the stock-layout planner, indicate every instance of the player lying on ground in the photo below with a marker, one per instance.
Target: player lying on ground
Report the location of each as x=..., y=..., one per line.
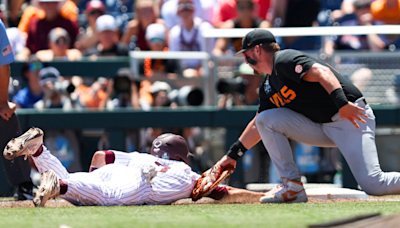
x=127, y=179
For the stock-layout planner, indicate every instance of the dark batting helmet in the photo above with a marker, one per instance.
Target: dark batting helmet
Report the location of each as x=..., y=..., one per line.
x=171, y=146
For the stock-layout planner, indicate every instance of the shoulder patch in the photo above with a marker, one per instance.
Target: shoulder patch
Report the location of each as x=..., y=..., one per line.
x=6, y=50
x=298, y=69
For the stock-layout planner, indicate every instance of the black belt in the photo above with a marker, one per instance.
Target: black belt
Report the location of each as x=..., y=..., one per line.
x=365, y=101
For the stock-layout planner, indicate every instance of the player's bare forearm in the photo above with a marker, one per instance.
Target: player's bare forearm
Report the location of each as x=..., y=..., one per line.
x=323, y=75
x=4, y=80
x=236, y=195
x=250, y=135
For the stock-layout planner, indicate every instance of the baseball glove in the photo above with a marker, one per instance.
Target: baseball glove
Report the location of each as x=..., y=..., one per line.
x=209, y=180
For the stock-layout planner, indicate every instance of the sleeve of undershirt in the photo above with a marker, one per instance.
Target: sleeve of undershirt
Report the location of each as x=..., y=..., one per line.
x=218, y=193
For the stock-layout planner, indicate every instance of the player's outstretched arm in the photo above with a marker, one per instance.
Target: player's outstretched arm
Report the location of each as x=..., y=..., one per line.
x=247, y=140
x=235, y=195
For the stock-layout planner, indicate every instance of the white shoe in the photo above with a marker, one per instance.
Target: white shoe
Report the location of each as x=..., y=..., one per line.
x=49, y=188
x=26, y=144
x=293, y=192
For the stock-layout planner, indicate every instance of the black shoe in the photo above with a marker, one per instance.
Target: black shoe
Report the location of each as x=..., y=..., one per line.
x=25, y=191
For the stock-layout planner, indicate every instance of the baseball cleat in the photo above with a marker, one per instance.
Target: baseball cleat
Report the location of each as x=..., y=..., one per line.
x=292, y=192
x=49, y=188
x=26, y=144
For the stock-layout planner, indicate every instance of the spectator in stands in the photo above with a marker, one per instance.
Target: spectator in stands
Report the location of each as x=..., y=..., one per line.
x=55, y=95
x=187, y=36
x=126, y=90
x=387, y=11
x=346, y=9
x=32, y=93
x=15, y=9
x=67, y=8
x=371, y=42
x=227, y=10
x=90, y=96
x=107, y=33
x=94, y=9
x=169, y=11
x=17, y=42
x=113, y=7
x=146, y=13
x=39, y=29
x=247, y=97
x=296, y=13
x=156, y=40
x=59, y=42
x=245, y=19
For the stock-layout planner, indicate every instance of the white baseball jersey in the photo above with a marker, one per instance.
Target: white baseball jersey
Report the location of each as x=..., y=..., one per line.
x=134, y=179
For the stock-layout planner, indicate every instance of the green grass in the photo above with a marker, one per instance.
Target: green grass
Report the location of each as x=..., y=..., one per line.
x=257, y=215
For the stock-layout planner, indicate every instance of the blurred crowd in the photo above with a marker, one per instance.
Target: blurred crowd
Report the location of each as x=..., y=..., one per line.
x=45, y=30
x=41, y=31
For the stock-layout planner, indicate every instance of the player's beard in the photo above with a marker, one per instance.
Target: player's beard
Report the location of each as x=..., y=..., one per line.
x=254, y=63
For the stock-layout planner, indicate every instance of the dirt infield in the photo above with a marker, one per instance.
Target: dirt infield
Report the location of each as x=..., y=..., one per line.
x=29, y=203
x=310, y=200
x=205, y=200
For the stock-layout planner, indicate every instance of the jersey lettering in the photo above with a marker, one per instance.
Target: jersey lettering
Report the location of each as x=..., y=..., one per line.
x=288, y=94
x=285, y=97
x=277, y=100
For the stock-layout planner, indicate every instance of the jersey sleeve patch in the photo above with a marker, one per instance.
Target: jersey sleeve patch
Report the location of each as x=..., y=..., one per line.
x=6, y=50
x=298, y=69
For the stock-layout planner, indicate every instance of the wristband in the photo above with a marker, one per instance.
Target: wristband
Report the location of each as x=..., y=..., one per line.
x=339, y=98
x=237, y=150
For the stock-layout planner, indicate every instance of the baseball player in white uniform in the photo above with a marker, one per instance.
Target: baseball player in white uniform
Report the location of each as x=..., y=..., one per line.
x=125, y=179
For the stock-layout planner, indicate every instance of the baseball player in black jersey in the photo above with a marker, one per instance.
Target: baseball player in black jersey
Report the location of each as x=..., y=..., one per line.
x=306, y=100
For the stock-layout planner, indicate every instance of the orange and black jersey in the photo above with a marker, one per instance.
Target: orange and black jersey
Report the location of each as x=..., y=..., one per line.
x=285, y=87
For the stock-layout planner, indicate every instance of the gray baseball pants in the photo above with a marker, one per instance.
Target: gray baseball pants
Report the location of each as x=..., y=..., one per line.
x=357, y=145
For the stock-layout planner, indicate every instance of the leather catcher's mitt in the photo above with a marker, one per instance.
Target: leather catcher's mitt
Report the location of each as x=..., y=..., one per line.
x=209, y=180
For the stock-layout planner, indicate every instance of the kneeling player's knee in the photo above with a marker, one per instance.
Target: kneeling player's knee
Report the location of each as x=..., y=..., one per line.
x=373, y=185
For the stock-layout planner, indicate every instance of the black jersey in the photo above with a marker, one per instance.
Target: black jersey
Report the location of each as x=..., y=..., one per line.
x=285, y=87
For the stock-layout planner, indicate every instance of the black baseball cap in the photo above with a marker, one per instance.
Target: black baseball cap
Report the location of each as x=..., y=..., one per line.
x=255, y=37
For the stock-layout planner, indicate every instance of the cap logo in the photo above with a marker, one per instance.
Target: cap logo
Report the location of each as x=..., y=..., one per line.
x=157, y=144
x=165, y=156
x=249, y=44
x=298, y=69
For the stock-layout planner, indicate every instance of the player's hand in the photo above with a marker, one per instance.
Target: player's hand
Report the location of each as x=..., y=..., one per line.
x=7, y=109
x=352, y=113
x=227, y=161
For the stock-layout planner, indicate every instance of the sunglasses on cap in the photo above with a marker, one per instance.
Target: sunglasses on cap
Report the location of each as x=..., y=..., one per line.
x=96, y=12
x=362, y=6
x=35, y=66
x=157, y=40
x=244, y=7
x=48, y=3
x=61, y=40
x=185, y=6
